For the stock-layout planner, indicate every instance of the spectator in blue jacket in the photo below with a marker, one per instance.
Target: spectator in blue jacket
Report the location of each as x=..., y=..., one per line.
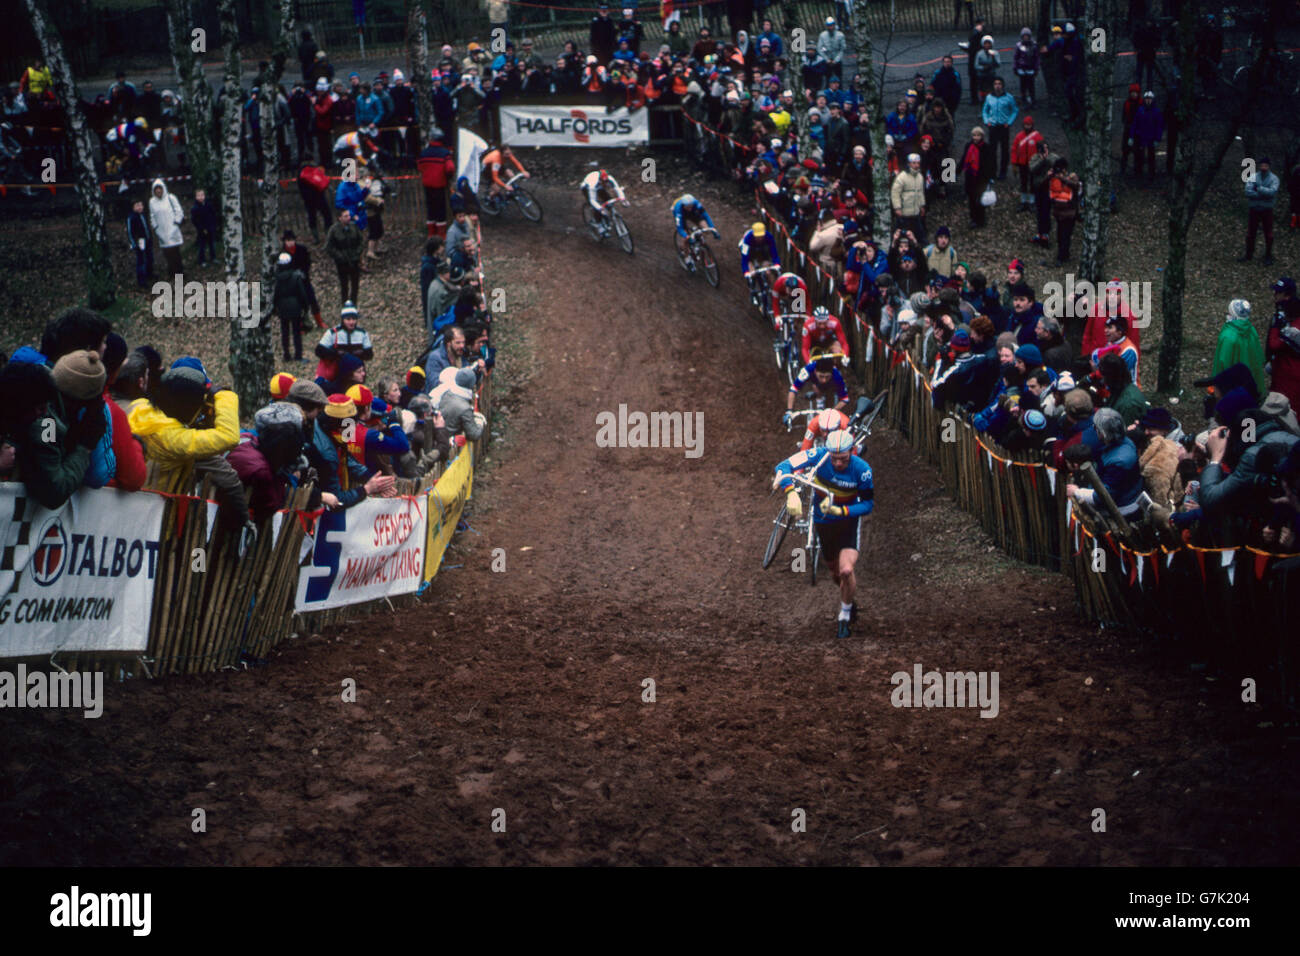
x=901, y=125
x=1117, y=465
x=1261, y=194
x=343, y=480
x=1148, y=129
x=1025, y=313
x=352, y=197
x=370, y=107
x=999, y=112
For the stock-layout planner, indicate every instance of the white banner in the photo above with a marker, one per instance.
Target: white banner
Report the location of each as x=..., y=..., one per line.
x=80, y=578
x=573, y=126
x=470, y=147
x=374, y=549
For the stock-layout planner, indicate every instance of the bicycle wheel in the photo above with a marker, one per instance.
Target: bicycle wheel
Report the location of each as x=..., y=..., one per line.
x=709, y=264
x=779, y=528
x=814, y=551
x=490, y=204
x=620, y=227
x=528, y=205
x=592, y=219
x=683, y=251
x=793, y=359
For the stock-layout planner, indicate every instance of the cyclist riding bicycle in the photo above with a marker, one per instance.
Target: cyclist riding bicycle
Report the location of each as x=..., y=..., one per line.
x=494, y=161
x=600, y=187
x=842, y=495
x=826, y=382
x=689, y=210
x=822, y=332
x=361, y=145
x=822, y=424
x=757, y=249
x=789, y=297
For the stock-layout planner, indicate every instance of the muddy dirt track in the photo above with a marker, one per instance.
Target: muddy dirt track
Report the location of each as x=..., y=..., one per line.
x=523, y=690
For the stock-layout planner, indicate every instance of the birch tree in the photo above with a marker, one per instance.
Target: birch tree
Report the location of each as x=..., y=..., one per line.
x=188, y=45
x=1100, y=47
x=417, y=55
x=101, y=286
x=871, y=90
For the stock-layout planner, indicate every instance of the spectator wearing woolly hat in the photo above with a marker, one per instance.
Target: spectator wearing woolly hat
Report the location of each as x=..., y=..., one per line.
x=1124, y=395
x=265, y=463
x=48, y=449
x=344, y=481
x=1239, y=342
x=1057, y=353
x=375, y=443
x=168, y=424
x=80, y=377
x=281, y=382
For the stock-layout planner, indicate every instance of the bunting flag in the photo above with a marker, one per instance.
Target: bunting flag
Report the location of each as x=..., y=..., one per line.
x=1139, y=569
x=1261, y=565
x=1169, y=560
x=1051, y=479
x=1228, y=559
x=1200, y=563
x=1033, y=478
x=182, y=509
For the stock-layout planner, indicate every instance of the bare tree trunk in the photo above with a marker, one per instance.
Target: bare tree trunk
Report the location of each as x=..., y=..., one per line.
x=1190, y=183
x=101, y=286
x=196, y=98
x=259, y=343
x=417, y=53
x=872, y=91
x=1095, y=220
x=245, y=362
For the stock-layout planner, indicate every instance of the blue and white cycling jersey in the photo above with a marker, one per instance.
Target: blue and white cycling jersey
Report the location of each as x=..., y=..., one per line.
x=851, y=488
x=696, y=211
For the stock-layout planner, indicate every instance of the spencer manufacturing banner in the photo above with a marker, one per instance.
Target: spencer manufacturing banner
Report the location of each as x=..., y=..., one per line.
x=573, y=126
x=446, y=502
x=80, y=578
x=375, y=549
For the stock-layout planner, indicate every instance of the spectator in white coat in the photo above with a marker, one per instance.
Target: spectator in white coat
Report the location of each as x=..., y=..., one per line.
x=165, y=216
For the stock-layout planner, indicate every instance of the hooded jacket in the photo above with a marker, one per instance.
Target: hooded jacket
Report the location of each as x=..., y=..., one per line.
x=457, y=407
x=174, y=446
x=1239, y=342
x=165, y=216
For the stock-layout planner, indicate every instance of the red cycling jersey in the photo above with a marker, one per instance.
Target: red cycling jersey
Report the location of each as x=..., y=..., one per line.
x=821, y=336
x=815, y=430
x=783, y=288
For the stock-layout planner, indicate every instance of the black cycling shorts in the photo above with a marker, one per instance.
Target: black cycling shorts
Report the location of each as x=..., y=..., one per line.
x=838, y=534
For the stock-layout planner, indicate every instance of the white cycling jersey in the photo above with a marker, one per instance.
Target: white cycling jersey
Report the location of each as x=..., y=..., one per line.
x=591, y=188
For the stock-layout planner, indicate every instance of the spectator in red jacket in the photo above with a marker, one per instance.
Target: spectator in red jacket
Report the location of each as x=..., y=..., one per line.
x=266, y=462
x=1283, y=346
x=436, y=170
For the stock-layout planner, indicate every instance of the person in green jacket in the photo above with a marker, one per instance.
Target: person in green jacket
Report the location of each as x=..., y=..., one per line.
x=1125, y=397
x=1239, y=342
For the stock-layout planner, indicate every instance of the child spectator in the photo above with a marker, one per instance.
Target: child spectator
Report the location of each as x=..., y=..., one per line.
x=140, y=236
x=204, y=216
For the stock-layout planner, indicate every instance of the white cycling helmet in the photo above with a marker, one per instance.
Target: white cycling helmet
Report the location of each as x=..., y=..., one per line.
x=839, y=441
x=821, y=314
x=688, y=200
x=829, y=420
x=787, y=276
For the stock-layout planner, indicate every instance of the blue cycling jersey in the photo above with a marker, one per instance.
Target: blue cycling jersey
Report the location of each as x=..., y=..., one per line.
x=695, y=211
x=806, y=378
x=851, y=488
x=747, y=245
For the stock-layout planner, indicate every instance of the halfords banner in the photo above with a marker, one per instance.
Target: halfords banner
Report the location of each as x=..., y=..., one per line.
x=573, y=126
x=446, y=502
x=80, y=578
x=372, y=550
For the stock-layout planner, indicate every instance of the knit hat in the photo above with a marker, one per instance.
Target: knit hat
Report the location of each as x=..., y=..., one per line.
x=465, y=378
x=348, y=363
x=181, y=392
x=278, y=414
x=1157, y=417
x=1238, y=309
x=1030, y=355
x=398, y=75
x=189, y=361
x=1234, y=402
x=1284, y=284
x=1065, y=382
x=305, y=391
x=1078, y=403
x=340, y=407
x=349, y=309
x=1034, y=420
x=1022, y=290
x=378, y=406
x=361, y=396
x=80, y=375
x=1017, y=264
x=284, y=259
x=942, y=231
x=281, y=382
x=961, y=341
x=415, y=378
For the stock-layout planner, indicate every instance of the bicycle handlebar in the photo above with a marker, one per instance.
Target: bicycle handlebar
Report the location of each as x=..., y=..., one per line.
x=511, y=180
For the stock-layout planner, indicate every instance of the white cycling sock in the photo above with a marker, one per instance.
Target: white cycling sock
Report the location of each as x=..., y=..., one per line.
x=845, y=611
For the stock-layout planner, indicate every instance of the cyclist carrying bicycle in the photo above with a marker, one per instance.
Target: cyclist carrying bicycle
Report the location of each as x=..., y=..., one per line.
x=689, y=211
x=361, y=145
x=822, y=332
x=822, y=424
x=843, y=493
x=826, y=383
x=600, y=187
x=789, y=297
x=494, y=161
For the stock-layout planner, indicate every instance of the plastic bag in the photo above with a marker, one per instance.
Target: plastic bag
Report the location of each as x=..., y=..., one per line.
x=990, y=198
